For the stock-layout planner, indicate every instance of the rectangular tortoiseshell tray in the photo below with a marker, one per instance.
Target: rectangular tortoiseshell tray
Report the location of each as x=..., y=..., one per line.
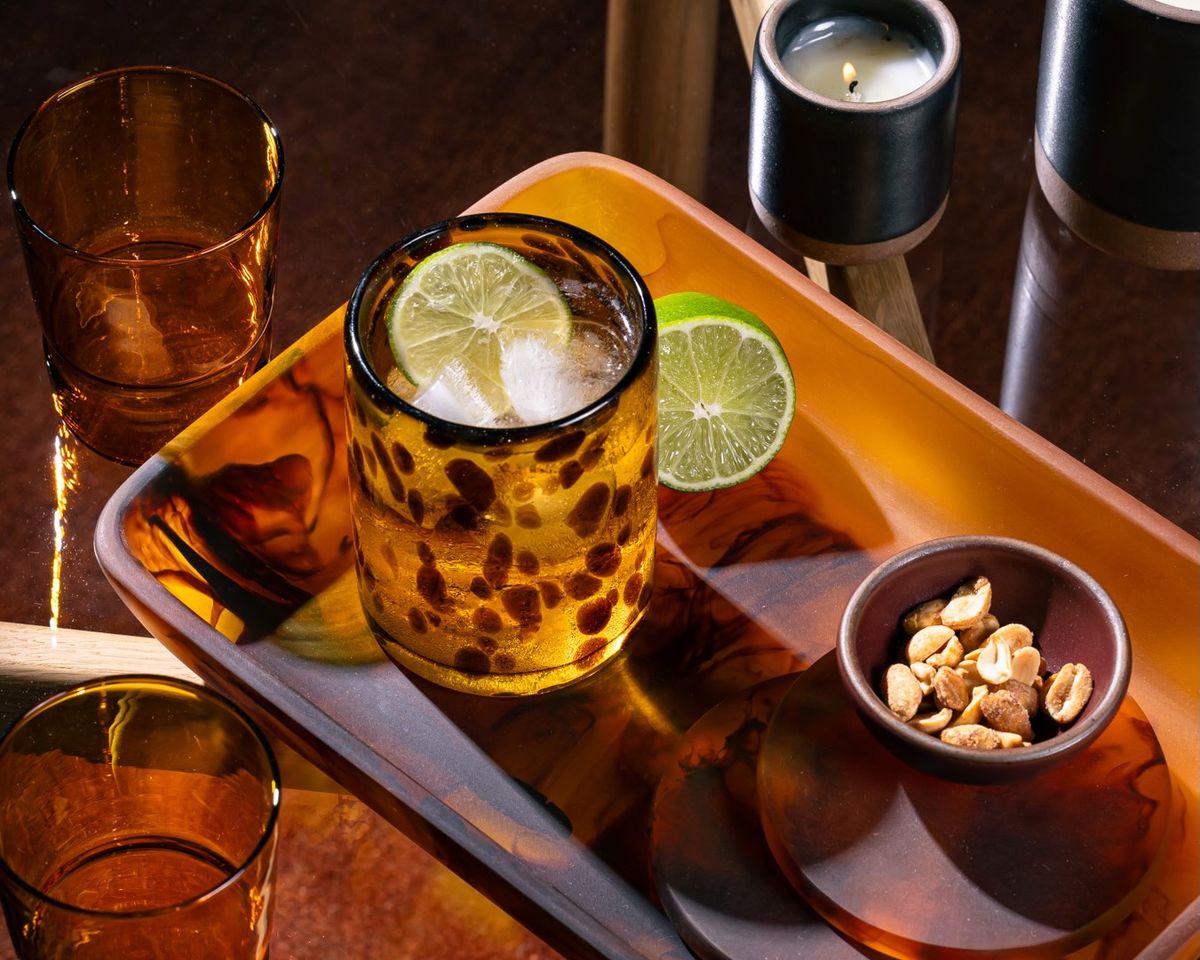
x=233, y=546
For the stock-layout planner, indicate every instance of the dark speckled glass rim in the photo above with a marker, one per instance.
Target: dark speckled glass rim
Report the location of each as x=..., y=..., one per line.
x=433, y=238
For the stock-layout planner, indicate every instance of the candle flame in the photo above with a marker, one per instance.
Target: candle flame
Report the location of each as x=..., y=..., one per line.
x=849, y=74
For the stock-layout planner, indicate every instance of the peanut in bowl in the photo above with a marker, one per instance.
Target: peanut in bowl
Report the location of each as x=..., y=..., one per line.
x=1072, y=619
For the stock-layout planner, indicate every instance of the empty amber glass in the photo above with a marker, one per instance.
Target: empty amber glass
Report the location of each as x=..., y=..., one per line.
x=137, y=819
x=146, y=200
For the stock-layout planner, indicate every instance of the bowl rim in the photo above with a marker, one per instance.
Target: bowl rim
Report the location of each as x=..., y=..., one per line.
x=871, y=706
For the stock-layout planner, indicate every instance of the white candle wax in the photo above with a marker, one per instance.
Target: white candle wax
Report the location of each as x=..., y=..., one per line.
x=857, y=59
x=1183, y=4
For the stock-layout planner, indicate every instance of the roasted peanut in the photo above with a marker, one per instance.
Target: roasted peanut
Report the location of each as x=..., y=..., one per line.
x=901, y=691
x=1015, y=635
x=1003, y=711
x=923, y=615
x=968, y=605
x=950, y=690
x=926, y=642
x=948, y=656
x=1024, y=693
x=973, y=636
x=1066, y=692
x=971, y=735
x=994, y=662
x=969, y=670
x=924, y=673
x=971, y=712
x=1025, y=664
x=932, y=722
x=1009, y=740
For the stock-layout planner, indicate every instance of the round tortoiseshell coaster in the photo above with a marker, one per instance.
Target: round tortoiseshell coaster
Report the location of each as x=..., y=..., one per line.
x=714, y=874
x=914, y=865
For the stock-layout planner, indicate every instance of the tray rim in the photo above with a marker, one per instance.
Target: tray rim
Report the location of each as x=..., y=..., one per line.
x=581, y=931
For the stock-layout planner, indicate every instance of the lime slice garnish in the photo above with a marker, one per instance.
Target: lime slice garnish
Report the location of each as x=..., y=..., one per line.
x=466, y=302
x=725, y=393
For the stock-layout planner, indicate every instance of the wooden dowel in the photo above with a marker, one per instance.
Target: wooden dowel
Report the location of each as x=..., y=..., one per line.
x=660, y=60
x=37, y=661
x=41, y=655
x=748, y=14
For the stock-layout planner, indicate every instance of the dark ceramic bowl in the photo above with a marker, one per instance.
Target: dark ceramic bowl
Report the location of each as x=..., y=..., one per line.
x=1073, y=621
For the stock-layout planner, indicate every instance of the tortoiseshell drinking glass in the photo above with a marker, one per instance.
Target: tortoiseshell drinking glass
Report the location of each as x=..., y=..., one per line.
x=505, y=560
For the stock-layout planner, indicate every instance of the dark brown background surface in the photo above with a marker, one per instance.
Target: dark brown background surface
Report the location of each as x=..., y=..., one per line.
x=397, y=114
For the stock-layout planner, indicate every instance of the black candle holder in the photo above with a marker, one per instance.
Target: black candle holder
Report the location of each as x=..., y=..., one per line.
x=845, y=182
x=1118, y=127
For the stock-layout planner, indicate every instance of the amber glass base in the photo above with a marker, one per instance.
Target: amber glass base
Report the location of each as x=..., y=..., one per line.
x=497, y=684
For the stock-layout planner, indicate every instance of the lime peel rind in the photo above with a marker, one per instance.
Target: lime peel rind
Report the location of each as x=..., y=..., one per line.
x=726, y=393
x=463, y=301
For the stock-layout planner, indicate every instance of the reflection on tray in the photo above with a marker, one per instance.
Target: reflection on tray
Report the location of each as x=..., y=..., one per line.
x=262, y=549
x=245, y=542
x=596, y=749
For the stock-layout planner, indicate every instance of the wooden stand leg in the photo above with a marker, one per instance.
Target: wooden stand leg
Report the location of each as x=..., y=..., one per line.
x=883, y=293
x=748, y=14
x=660, y=58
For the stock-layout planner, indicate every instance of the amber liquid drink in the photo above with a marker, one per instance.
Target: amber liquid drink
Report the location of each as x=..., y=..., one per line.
x=137, y=819
x=514, y=556
x=147, y=203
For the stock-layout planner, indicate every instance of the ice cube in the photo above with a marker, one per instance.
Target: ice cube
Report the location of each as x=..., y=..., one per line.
x=459, y=394
x=599, y=355
x=541, y=379
x=121, y=341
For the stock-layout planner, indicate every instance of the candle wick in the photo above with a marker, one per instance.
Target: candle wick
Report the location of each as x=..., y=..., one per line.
x=853, y=84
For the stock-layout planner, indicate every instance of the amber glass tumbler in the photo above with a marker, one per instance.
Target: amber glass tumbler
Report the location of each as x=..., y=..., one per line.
x=505, y=560
x=147, y=202
x=137, y=819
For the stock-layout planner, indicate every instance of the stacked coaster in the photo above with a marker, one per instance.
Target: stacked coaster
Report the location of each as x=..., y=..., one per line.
x=782, y=791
